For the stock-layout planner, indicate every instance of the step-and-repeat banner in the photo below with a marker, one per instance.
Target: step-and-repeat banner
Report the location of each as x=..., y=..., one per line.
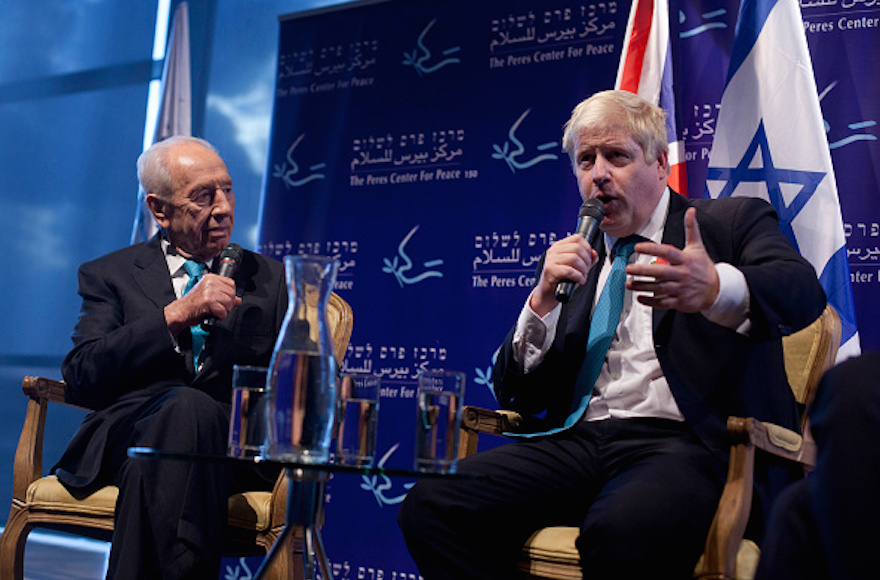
x=419, y=142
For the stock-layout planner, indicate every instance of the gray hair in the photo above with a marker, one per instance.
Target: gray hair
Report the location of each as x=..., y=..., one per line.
x=152, y=165
x=646, y=123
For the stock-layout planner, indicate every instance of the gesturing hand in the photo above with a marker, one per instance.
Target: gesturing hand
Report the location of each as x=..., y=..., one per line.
x=687, y=282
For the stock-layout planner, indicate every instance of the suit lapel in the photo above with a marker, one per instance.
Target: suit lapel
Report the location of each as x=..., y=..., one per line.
x=673, y=230
x=151, y=273
x=673, y=234
x=153, y=278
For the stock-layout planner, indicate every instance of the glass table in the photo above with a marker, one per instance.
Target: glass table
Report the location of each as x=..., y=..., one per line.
x=305, y=498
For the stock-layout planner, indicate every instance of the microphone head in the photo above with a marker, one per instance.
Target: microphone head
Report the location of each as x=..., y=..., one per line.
x=593, y=208
x=229, y=259
x=226, y=265
x=233, y=252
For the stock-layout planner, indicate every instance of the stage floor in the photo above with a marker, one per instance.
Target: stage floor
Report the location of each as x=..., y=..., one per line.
x=59, y=557
x=56, y=556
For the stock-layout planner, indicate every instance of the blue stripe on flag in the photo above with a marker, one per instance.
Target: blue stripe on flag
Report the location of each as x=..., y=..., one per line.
x=836, y=282
x=667, y=97
x=752, y=16
x=769, y=142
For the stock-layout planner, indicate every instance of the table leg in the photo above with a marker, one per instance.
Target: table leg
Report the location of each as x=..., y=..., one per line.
x=305, y=508
x=319, y=552
x=321, y=555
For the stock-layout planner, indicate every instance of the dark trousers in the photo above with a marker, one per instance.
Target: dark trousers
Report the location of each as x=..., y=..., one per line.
x=171, y=515
x=642, y=491
x=828, y=526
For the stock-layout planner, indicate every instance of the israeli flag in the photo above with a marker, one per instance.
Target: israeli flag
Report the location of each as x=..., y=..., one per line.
x=770, y=142
x=173, y=115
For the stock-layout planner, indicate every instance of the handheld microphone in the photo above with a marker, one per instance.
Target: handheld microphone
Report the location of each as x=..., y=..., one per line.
x=589, y=217
x=229, y=261
x=230, y=258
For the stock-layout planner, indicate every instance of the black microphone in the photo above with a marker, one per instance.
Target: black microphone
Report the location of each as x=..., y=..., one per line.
x=228, y=263
x=230, y=259
x=589, y=217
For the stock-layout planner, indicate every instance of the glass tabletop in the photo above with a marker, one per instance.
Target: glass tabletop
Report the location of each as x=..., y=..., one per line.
x=307, y=468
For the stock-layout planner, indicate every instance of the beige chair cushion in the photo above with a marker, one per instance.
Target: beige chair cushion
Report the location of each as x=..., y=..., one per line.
x=551, y=553
x=554, y=544
x=47, y=493
x=250, y=510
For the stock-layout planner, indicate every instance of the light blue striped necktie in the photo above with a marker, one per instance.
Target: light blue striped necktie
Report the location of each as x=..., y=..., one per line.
x=199, y=334
x=603, y=326
x=603, y=323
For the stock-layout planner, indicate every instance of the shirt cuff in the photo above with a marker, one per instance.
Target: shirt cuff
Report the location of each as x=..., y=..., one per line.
x=533, y=336
x=731, y=306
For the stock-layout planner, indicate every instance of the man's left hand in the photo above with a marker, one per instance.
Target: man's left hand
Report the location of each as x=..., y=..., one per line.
x=687, y=281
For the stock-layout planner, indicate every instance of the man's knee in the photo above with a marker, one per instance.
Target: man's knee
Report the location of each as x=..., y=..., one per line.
x=626, y=551
x=416, y=510
x=635, y=539
x=185, y=419
x=192, y=405
x=190, y=401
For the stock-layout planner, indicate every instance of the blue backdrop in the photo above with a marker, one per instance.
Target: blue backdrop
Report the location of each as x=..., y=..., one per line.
x=419, y=142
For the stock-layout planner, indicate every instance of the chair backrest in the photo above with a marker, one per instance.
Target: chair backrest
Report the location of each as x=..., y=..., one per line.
x=339, y=317
x=810, y=352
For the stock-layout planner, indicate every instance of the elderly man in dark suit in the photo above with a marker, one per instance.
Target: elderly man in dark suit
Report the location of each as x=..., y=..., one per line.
x=156, y=378
x=630, y=445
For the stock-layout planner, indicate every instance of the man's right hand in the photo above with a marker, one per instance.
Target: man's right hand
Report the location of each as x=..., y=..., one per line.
x=214, y=296
x=567, y=259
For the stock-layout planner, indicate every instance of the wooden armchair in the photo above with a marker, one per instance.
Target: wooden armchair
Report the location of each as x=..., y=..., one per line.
x=255, y=518
x=551, y=552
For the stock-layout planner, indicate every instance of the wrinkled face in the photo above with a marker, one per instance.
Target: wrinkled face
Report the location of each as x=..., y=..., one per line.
x=200, y=215
x=611, y=166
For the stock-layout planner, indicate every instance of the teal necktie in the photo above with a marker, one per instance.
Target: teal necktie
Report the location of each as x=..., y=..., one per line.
x=199, y=334
x=603, y=324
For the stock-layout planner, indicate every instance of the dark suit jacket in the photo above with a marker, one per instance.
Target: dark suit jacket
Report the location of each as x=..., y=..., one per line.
x=123, y=351
x=713, y=371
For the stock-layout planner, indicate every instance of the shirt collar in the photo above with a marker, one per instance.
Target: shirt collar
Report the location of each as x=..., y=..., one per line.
x=175, y=260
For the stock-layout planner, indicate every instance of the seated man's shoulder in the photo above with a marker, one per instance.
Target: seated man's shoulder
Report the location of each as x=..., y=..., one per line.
x=262, y=259
x=737, y=203
x=111, y=260
x=253, y=262
x=726, y=211
x=865, y=365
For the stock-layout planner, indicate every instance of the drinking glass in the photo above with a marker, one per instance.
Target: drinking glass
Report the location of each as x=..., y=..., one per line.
x=439, y=396
x=247, y=421
x=358, y=419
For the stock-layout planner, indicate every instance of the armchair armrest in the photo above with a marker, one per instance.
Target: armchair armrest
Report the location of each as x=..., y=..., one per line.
x=43, y=388
x=475, y=420
x=729, y=524
x=775, y=440
x=28, y=463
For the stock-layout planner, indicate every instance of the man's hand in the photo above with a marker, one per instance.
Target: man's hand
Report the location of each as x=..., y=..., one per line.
x=214, y=296
x=687, y=282
x=567, y=259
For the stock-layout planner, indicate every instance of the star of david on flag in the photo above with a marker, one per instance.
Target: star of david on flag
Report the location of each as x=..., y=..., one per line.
x=770, y=143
